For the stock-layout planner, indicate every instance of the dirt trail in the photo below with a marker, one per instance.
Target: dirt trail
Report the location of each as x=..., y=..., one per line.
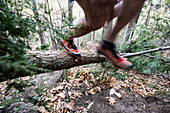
x=129, y=103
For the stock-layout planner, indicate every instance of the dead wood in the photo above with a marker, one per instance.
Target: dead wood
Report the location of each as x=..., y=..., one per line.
x=57, y=60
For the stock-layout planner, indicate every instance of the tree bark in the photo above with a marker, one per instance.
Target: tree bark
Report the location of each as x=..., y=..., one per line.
x=57, y=60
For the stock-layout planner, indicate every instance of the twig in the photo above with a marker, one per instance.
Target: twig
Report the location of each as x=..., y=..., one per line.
x=152, y=57
x=67, y=95
x=165, y=76
x=104, y=70
x=145, y=73
x=144, y=52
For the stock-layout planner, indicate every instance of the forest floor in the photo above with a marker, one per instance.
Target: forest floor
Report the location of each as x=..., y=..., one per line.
x=129, y=103
x=88, y=89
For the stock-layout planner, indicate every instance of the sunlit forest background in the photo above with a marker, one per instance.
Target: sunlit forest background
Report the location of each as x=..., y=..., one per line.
x=35, y=25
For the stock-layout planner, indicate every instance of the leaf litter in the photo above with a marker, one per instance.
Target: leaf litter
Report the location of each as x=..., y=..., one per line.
x=87, y=80
x=83, y=81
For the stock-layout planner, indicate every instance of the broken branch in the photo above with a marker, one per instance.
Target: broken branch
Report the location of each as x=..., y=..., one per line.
x=144, y=52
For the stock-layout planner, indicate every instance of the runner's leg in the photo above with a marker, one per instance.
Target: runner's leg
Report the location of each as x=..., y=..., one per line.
x=129, y=9
x=95, y=16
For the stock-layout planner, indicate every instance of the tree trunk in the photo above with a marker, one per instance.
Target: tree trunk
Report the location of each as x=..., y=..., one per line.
x=52, y=34
x=38, y=22
x=70, y=11
x=104, y=31
x=148, y=12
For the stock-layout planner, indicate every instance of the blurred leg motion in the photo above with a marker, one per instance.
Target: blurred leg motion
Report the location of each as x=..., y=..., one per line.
x=97, y=13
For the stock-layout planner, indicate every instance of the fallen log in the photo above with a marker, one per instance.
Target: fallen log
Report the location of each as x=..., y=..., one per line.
x=57, y=60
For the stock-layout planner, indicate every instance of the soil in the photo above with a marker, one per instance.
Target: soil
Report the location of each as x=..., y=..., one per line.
x=128, y=103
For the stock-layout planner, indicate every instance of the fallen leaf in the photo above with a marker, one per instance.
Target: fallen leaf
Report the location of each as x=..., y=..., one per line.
x=87, y=83
x=84, y=72
x=50, y=104
x=54, y=98
x=67, y=106
x=140, y=93
x=117, y=87
x=42, y=110
x=61, y=95
x=89, y=106
x=72, y=104
x=71, y=81
x=113, y=79
x=82, y=78
x=111, y=100
x=91, y=76
x=56, y=89
x=123, y=92
x=97, y=89
x=112, y=91
x=138, y=84
x=91, y=92
x=113, y=83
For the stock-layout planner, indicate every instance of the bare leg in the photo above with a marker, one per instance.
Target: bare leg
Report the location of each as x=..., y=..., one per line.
x=129, y=10
x=117, y=10
x=95, y=16
x=84, y=29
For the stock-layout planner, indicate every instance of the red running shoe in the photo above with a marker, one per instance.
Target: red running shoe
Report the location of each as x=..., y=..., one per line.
x=111, y=54
x=69, y=47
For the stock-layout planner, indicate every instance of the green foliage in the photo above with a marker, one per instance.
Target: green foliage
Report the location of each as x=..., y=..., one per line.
x=19, y=85
x=148, y=36
x=6, y=102
x=66, y=75
x=78, y=73
x=39, y=92
x=45, y=46
x=16, y=30
x=121, y=76
x=143, y=63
